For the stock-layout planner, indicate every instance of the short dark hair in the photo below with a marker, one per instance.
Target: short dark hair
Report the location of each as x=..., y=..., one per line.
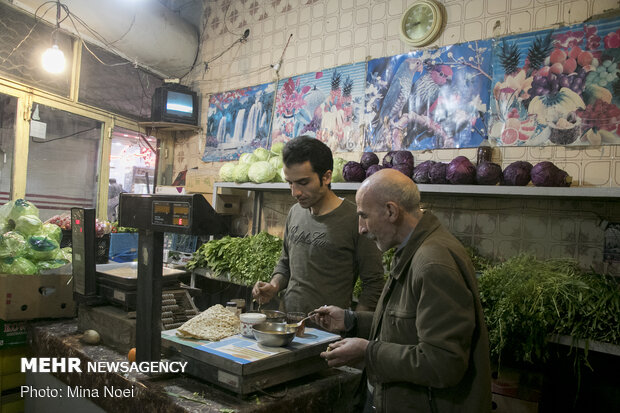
x=304, y=148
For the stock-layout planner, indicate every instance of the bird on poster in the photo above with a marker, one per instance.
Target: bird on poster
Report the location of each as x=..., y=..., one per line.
x=425, y=95
x=398, y=92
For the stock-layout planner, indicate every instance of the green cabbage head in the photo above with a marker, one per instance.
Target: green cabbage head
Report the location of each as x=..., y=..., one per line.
x=12, y=244
x=240, y=173
x=261, y=154
x=19, y=266
x=261, y=172
x=226, y=171
x=28, y=225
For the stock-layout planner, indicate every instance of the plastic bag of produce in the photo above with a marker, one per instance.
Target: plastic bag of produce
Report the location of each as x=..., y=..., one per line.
x=12, y=244
x=41, y=248
x=52, y=231
x=21, y=207
x=28, y=225
x=65, y=253
x=19, y=266
x=50, y=265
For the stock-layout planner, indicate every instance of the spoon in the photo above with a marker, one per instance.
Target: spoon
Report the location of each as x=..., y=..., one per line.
x=298, y=324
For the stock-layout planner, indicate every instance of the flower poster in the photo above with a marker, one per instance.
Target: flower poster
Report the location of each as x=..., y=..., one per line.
x=557, y=87
x=428, y=99
x=238, y=121
x=326, y=105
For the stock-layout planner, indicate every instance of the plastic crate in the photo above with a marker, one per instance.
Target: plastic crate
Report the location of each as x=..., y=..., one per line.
x=102, y=246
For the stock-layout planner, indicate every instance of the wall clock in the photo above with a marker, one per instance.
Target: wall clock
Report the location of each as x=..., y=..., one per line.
x=421, y=23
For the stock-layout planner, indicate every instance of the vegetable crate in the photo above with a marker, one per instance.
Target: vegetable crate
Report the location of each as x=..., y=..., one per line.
x=102, y=245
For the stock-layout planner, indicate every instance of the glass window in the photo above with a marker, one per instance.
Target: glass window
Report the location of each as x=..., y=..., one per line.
x=132, y=166
x=62, y=161
x=8, y=110
x=117, y=85
x=21, y=49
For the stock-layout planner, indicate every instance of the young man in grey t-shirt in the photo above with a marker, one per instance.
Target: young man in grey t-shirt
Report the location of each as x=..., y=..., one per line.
x=323, y=253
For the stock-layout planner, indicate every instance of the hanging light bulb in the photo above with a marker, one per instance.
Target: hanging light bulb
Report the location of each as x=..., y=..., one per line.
x=53, y=59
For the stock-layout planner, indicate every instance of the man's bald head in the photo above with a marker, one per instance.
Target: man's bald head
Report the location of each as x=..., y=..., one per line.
x=392, y=185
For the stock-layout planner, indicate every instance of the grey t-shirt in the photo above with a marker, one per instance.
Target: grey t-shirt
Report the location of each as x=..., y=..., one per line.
x=322, y=257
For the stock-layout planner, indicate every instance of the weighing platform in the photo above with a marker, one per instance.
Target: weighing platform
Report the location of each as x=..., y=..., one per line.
x=243, y=365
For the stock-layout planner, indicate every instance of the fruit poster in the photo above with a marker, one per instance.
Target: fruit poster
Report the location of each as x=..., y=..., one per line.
x=557, y=87
x=428, y=99
x=325, y=105
x=238, y=121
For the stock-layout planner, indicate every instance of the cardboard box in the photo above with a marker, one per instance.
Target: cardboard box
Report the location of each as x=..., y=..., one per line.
x=228, y=204
x=199, y=181
x=12, y=334
x=170, y=190
x=26, y=297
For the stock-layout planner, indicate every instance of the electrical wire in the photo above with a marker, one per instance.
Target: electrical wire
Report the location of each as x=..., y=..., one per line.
x=62, y=137
x=36, y=22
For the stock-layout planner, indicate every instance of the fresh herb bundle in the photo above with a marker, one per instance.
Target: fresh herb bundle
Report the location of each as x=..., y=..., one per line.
x=525, y=300
x=247, y=259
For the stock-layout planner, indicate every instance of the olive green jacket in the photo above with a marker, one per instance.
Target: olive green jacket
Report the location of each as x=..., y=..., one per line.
x=428, y=349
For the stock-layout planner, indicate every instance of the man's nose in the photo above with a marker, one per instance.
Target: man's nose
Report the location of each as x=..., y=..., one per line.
x=361, y=227
x=295, y=192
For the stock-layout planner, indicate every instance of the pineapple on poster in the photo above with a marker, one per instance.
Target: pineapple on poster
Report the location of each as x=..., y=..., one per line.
x=557, y=87
x=326, y=105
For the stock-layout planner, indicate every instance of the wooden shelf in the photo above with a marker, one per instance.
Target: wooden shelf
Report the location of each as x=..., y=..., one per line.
x=468, y=190
x=169, y=126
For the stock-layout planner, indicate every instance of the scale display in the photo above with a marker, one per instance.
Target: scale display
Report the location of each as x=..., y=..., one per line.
x=174, y=214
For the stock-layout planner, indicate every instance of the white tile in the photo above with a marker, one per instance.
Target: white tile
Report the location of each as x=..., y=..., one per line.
x=302, y=49
x=452, y=34
x=362, y=2
x=377, y=31
x=329, y=60
x=330, y=43
x=278, y=39
x=520, y=4
x=359, y=54
x=346, y=20
x=332, y=7
x=454, y=13
x=362, y=15
x=547, y=16
x=344, y=57
x=396, y=7
x=292, y=19
x=316, y=28
x=331, y=24
x=377, y=50
x=314, y=65
x=303, y=31
x=472, y=31
x=474, y=9
x=267, y=43
x=280, y=23
x=318, y=11
x=378, y=11
x=361, y=35
x=393, y=28
x=394, y=47
x=575, y=11
x=346, y=4
x=301, y=66
x=316, y=46
x=599, y=6
x=344, y=38
x=267, y=25
x=305, y=15
x=520, y=22
x=496, y=6
x=597, y=173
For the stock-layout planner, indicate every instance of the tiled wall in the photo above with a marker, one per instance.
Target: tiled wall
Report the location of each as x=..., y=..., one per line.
x=328, y=33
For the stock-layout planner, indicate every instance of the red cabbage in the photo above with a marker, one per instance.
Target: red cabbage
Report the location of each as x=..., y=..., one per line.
x=547, y=174
x=368, y=159
x=353, y=172
x=437, y=173
x=421, y=173
x=403, y=157
x=404, y=168
x=489, y=173
x=517, y=173
x=387, y=159
x=372, y=169
x=461, y=171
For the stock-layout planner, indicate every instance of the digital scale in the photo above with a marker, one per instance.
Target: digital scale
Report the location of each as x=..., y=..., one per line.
x=142, y=286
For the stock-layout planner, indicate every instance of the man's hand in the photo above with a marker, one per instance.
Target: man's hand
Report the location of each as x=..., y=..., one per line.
x=263, y=292
x=347, y=352
x=330, y=318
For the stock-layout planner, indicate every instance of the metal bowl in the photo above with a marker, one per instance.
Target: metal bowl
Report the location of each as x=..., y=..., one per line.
x=274, y=316
x=273, y=334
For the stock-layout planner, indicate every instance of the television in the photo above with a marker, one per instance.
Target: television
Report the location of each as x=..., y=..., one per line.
x=174, y=103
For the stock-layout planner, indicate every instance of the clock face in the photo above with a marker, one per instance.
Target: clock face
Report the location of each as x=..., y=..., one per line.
x=421, y=23
x=418, y=21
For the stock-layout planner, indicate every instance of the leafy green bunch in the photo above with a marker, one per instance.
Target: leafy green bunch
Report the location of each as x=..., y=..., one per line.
x=247, y=259
x=525, y=300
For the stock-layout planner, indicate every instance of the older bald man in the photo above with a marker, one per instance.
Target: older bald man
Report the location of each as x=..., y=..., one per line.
x=427, y=345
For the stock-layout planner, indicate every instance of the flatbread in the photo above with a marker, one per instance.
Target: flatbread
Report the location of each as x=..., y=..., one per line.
x=213, y=324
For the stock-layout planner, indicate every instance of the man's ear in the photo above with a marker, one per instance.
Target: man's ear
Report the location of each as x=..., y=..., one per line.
x=393, y=211
x=327, y=177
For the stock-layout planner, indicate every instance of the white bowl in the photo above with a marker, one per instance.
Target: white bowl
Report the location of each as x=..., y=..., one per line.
x=248, y=320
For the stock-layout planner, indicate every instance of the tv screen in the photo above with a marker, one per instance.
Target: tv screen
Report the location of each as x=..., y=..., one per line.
x=180, y=104
x=175, y=104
